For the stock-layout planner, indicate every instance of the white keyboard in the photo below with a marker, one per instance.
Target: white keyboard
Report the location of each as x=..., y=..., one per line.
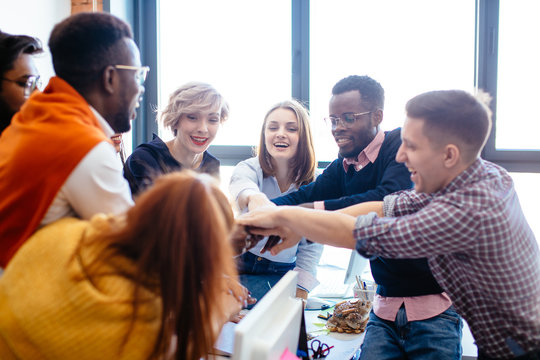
x=331, y=290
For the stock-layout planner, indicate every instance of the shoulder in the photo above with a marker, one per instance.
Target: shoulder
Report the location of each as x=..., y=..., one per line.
x=335, y=166
x=210, y=164
x=391, y=143
x=150, y=149
x=392, y=138
x=148, y=155
x=251, y=162
x=44, y=244
x=207, y=157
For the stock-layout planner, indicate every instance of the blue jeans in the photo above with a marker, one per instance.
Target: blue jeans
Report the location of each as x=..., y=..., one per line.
x=436, y=338
x=258, y=274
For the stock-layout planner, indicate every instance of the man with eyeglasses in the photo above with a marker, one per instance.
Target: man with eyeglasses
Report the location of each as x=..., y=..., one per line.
x=57, y=158
x=18, y=73
x=412, y=318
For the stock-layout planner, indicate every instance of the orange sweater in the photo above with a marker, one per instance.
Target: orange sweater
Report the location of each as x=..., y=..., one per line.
x=46, y=140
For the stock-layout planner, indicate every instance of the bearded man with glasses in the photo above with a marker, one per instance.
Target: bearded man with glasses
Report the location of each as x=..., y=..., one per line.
x=18, y=73
x=57, y=158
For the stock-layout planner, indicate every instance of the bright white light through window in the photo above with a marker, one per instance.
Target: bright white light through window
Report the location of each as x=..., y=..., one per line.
x=405, y=45
x=241, y=47
x=518, y=122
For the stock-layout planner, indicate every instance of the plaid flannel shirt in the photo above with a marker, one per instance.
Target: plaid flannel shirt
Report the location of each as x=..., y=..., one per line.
x=479, y=247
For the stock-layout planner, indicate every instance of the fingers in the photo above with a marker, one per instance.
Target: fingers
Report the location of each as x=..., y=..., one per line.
x=286, y=243
x=251, y=300
x=237, y=239
x=272, y=241
x=236, y=318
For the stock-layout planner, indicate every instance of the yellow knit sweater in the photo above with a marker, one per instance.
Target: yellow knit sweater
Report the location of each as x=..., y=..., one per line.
x=50, y=310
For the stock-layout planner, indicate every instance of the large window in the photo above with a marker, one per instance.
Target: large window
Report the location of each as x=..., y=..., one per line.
x=241, y=47
x=507, y=68
x=260, y=52
x=518, y=120
x=405, y=45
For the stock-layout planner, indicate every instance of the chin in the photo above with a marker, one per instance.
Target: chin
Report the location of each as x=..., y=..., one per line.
x=347, y=154
x=122, y=123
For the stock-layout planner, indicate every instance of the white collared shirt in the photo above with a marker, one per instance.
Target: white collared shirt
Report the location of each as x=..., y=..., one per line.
x=96, y=185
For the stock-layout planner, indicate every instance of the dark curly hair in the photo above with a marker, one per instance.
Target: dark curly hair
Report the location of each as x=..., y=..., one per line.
x=84, y=44
x=371, y=91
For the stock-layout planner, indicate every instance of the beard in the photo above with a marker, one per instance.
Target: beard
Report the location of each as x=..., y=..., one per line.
x=121, y=122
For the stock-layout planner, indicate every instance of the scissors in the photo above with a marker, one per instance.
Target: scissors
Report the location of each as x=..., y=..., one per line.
x=320, y=349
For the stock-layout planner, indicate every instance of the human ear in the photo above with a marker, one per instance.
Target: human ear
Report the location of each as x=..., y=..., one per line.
x=377, y=117
x=109, y=78
x=452, y=155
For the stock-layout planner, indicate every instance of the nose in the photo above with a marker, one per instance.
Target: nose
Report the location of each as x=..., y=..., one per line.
x=281, y=132
x=400, y=155
x=203, y=126
x=340, y=125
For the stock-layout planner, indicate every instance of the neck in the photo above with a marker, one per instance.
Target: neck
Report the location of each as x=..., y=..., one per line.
x=282, y=174
x=186, y=158
x=456, y=171
x=96, y=101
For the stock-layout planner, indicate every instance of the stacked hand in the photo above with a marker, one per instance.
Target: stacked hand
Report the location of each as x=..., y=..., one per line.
x=266, y=221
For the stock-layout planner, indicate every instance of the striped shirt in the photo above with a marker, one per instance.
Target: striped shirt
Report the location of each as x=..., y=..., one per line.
x=479, y=247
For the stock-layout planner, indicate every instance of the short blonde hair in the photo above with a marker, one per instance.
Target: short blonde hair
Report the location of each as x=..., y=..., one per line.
x=191, y=98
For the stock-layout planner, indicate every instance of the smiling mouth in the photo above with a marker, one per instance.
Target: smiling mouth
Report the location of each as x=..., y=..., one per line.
x=341, y=141
x=281, y=145
x=199, y=141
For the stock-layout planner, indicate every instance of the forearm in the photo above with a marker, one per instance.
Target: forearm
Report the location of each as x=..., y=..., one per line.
x=244, y=198
x=364, y=208
x=324, y=227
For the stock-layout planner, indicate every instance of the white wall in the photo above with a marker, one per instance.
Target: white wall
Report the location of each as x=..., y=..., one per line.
x=35, y=18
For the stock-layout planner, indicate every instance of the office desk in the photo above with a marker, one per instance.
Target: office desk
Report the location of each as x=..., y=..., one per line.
x=345, y=345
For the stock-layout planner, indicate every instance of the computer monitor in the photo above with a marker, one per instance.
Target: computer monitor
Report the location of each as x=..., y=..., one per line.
x=272, y=325
x=357, y=264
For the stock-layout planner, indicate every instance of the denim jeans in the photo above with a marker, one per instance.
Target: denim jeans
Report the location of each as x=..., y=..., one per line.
x=436, y=338
x=258, y=274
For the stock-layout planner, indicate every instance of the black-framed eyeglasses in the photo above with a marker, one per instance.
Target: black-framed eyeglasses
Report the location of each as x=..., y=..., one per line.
x=140, y=71
x=346, y=119
x=320, y=349
x=29, y=84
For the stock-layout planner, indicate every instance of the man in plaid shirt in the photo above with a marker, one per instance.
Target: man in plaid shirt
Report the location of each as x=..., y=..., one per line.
x=463, y=215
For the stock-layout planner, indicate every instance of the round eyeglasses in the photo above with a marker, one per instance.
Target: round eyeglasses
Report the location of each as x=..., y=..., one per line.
x=346, y=119
x=29, y=83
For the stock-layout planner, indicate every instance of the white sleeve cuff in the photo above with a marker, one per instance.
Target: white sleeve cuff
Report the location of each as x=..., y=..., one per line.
x=306, y=280
x=389, y=203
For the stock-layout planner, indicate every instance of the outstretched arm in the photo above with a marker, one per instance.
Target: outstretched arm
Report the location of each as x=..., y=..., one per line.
x=293, y=222
x=364, y=209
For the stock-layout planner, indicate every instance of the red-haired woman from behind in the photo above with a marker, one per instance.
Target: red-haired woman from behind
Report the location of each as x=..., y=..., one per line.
x=153, y=284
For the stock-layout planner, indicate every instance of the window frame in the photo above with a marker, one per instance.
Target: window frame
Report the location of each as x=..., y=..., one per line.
x=487, y=73
x=145, y=26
